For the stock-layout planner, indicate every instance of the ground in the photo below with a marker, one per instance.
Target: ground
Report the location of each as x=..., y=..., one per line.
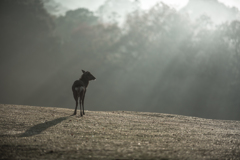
x=30, y=132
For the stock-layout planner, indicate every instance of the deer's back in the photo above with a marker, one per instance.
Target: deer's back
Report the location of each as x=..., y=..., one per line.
x=77, y=84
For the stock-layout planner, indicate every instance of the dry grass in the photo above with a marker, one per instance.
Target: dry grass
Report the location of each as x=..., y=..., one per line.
x=29, y=132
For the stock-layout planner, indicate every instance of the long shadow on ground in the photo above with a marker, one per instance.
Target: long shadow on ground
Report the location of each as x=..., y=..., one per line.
x=39, y=128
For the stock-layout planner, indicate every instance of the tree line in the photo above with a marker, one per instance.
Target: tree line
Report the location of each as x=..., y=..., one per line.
x=158, y=61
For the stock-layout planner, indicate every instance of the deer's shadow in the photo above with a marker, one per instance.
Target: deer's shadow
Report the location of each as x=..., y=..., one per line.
x=39, y=128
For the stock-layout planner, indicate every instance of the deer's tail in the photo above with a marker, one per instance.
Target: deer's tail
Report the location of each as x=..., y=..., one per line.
x=78, y=91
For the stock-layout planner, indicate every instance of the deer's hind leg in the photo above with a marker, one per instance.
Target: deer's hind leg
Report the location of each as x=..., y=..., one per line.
x=80, y=104
x=75, y=95
x=82, y=91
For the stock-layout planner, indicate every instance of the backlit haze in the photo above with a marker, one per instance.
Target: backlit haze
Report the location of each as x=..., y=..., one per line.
x=177, y=57
x=145, y=4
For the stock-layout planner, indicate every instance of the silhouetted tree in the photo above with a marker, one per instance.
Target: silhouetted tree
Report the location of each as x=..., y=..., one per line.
x=28, y=47
x=158, y=60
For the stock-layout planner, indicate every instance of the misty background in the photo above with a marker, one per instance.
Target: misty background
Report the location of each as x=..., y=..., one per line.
x=179, y=60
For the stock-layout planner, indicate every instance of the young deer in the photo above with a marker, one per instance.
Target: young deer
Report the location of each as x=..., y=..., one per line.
x=79, y=89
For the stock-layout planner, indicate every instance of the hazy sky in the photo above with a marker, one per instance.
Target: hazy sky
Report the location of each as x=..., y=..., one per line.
x=145, y=4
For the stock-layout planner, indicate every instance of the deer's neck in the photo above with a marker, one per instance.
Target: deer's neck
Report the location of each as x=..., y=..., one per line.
x=85, y=81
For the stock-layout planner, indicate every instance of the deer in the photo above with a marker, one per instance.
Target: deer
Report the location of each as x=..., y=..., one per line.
x=79, y=89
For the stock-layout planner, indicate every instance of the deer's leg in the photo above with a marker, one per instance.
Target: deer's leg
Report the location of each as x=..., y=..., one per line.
x=76, y=100
x=80, y=103
x=83, y=100
x=75, y=112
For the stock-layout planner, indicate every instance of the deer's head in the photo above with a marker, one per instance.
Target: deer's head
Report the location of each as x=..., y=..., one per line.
x=88, y=75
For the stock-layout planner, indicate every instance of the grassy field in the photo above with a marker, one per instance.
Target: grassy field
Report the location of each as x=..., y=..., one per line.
x=30, y=132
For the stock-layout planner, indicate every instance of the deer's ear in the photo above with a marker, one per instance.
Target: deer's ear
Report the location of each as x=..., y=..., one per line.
x=83, y=71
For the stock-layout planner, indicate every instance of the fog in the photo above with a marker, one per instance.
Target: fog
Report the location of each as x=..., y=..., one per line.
x=158, y=60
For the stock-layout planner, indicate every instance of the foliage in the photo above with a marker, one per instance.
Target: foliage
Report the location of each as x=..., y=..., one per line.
x=159, y=60
x=171, y=63
x=24, y=23
x=28, y=48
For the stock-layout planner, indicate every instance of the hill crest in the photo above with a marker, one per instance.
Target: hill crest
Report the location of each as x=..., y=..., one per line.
x=51, y=133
